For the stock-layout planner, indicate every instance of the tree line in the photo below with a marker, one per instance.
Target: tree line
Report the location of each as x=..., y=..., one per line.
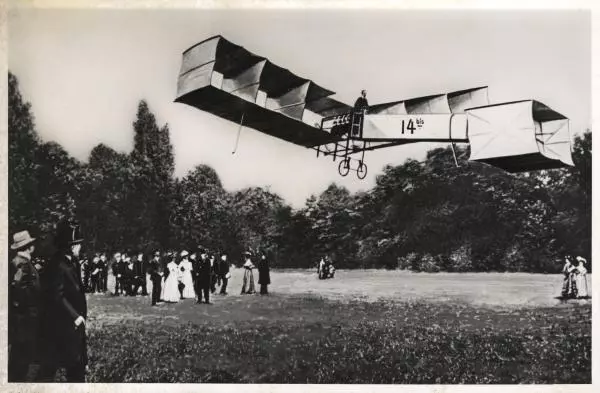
x=423, y=216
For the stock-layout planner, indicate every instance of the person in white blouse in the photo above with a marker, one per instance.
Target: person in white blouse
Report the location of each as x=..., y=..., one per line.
x=581, y=278
x=170, y=289
x=186, y=277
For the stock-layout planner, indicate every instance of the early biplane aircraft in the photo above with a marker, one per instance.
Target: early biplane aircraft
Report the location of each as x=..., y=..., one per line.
x=228, y=81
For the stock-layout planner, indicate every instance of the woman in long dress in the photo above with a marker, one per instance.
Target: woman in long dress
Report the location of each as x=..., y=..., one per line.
x=569, y=289
x=248, y=283
x=581, y=279
x=186, y=268
x=171, y=290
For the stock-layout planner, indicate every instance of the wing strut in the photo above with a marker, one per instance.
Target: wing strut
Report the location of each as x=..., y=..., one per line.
x=238, y=135
x=452, y=142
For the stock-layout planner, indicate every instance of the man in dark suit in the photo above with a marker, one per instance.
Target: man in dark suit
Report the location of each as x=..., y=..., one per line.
x=264, y=276
x=224, y=273
x=155, y=271
x=65, y=314
x=203, y=278
x=194, y=262
x=103, y=265
x=24, y=302
x=140, y=268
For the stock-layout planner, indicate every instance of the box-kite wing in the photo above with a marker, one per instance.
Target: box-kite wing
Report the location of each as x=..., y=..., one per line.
x=519, y=136
x=228, y=81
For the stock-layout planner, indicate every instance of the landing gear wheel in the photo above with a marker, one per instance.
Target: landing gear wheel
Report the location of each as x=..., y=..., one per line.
x=361, y=171
x=344, y=167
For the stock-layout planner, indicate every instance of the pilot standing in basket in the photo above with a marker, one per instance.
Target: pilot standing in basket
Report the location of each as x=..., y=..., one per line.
x=361, y=103
x=360, y=107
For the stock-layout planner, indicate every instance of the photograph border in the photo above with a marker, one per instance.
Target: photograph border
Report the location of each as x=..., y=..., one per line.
x=6, y=6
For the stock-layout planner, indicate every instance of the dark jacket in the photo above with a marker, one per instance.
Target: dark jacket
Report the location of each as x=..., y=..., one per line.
x=24, y=299
x=223, y=267
x=204, y=272
x=361, y=104
x=65, y=302
x=140, y=267
x=115, y=267
x=154, y=268
x=264, y=276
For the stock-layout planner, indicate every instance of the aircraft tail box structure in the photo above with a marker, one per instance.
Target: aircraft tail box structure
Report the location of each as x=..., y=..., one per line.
x=519, y=136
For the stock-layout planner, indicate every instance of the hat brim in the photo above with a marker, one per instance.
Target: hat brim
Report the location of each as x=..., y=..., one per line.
x=24, y=243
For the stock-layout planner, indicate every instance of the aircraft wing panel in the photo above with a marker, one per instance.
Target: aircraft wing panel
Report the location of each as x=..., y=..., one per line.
x=221, y=65
x=279, y=125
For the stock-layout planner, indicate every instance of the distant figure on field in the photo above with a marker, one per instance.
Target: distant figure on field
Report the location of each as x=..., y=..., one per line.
x=203, y=278
x=155, y=270
x=140, y=269
x=581, y=278
x=170, y=290
x=248, y=282
x=321, y=268
x=569, y=289
x=117, y=270
x=224, y=273
x=330, y=269
x=213, y=273
x=103, y=265
x=264, y=277
x=186, y=278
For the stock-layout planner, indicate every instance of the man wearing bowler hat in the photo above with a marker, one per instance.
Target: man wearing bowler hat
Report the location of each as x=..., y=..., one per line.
x=24, y=297
x=66, y=309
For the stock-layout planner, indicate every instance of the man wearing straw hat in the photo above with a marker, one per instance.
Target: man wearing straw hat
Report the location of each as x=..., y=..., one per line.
x=65, y=313
x=24, y=307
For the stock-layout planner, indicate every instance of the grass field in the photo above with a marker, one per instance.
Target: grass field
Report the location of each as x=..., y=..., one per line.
x=361, y=327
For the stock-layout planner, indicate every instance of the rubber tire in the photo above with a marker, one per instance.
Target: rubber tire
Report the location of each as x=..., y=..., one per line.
x=342, y=169
x=361, y=171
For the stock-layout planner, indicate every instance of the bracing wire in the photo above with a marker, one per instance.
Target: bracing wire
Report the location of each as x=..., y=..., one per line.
x=237, y=140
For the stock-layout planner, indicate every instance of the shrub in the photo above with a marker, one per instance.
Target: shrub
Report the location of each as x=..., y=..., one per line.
x=429, y=264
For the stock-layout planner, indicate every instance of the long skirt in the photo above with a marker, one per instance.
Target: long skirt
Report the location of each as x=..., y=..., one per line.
x=188, y=291
x=569, y=289
x=171, y=289
x=582, y=285
x=248, y=283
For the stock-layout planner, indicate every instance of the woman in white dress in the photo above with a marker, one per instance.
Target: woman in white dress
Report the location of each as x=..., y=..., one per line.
x=186, y=276
x=170, y=289
x=581, y=278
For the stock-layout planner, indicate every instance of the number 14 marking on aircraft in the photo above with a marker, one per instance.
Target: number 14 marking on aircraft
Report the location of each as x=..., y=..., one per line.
x=410, y=126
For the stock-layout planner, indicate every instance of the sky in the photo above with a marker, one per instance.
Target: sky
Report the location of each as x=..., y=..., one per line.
x=85, y=71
